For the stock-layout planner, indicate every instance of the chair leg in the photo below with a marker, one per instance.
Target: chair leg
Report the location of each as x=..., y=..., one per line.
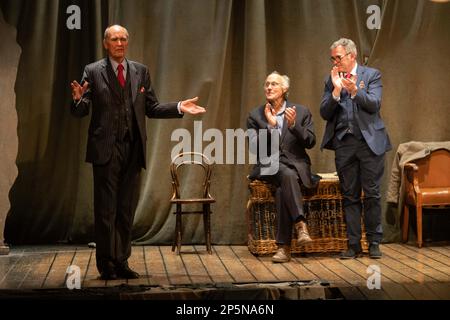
x=179, y=233
x=419, y=225
x=405, y=227
x=207, y=227
x=177, y=236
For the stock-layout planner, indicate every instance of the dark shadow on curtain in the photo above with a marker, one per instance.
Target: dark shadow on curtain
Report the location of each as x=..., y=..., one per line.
x=45, y=192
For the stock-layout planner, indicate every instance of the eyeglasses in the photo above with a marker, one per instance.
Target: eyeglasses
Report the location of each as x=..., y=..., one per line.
x=338, y=59
x=273, y=84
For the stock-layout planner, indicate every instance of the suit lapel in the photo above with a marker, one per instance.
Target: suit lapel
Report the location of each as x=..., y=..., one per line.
x=360, y=75
x=133, y=79
x=285, y=123
x=359, y=78
x=103, y=71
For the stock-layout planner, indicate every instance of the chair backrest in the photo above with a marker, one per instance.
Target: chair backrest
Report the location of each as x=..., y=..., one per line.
x=434, y=170
x=190, y=158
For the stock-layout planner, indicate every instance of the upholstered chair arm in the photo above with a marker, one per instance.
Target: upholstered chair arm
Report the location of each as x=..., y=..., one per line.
x=411, y=172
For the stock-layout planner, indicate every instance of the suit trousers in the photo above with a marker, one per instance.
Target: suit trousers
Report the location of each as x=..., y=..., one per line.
x=359, y=168
x=116, y=193
x=288, y=201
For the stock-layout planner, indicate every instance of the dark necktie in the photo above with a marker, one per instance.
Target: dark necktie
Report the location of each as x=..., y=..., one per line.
x=120, y=75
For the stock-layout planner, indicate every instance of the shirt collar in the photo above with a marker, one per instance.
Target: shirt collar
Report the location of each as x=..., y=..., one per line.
x=114, y=64
x=353, y=72
x=282, y=109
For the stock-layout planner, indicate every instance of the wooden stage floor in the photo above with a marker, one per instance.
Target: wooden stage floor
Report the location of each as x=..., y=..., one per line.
x=407, y=273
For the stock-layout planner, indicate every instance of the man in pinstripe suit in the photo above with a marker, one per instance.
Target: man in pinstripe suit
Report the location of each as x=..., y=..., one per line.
x=120, y=94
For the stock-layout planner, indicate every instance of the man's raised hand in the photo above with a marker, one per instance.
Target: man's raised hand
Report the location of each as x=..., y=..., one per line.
x=336, y=79
x=350, y=85
x=270, y=115
x=77, y=90
x=290, y=115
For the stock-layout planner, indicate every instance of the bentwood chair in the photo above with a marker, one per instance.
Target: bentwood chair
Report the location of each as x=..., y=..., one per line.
x=186, y=160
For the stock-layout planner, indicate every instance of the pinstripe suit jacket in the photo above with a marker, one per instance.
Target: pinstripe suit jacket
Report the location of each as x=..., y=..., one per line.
x=103, y=98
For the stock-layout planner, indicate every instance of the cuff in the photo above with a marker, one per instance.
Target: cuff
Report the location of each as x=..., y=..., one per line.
x=179, y=108
x=336, y=98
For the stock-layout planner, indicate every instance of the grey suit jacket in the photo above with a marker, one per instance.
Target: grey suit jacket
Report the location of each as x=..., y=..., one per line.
x=101, y=96
x=293, y=142
x=366, y=107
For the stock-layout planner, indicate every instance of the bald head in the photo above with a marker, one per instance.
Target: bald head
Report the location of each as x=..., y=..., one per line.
x=115, y=42
x=113, y=28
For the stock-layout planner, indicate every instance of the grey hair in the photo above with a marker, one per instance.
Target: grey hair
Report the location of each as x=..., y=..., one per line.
x=347, y=44
x=285, y=82
x=106, y=34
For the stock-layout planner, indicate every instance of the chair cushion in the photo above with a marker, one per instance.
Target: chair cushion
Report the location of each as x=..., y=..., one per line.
x=431, y=196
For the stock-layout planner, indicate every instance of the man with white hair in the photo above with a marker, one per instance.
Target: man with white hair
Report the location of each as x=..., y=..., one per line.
x=293, y=125
x=351, y=105
x=120, y=94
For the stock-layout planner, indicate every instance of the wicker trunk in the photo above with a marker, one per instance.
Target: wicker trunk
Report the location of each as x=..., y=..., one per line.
x=324, y=217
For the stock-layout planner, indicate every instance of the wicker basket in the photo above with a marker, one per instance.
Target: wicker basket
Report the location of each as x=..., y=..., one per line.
x=323, y=211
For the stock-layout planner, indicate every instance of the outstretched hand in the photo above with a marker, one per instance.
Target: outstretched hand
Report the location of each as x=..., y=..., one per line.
x=77, y=90
x=190, y=106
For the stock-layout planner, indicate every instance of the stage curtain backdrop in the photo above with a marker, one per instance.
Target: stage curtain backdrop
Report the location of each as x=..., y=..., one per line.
x=220, y=51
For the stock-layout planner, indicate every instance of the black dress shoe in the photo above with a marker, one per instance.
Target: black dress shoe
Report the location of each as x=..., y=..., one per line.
x=126, y=273
x=374, y=251
x=108, y=274
x=351, y=253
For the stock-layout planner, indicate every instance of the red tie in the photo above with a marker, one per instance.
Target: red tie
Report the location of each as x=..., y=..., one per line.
x=120, y=75
x=348, y=75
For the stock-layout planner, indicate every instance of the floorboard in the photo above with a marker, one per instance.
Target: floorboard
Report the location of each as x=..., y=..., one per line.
x=407, y=272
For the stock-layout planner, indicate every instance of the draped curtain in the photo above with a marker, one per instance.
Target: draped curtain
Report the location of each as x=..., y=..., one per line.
x=221, y=51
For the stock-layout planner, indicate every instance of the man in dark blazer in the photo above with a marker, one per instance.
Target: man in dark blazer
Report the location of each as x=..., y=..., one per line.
x=290, y=131
x=120, y=94
x=351, y=106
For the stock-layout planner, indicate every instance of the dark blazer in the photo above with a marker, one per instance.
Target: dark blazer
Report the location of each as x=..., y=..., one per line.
x=366, y=106
x=293, y=142
x=102, y=95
